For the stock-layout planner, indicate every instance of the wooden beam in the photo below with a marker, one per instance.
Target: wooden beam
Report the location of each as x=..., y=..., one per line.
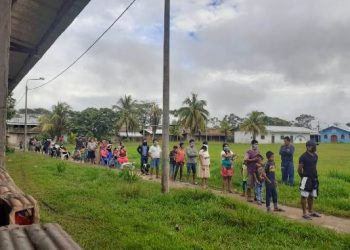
x=5, y=32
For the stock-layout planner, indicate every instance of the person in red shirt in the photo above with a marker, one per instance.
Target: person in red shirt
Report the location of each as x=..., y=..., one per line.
x=180, y=160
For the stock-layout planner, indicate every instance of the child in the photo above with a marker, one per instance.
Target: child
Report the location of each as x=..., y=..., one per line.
x=172, y=162
x=260, y=178
x=204, y=165
x=180, y=160
x=271, y=184
x=244, y=173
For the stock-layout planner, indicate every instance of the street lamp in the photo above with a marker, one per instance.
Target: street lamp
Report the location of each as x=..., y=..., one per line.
x=26, y=110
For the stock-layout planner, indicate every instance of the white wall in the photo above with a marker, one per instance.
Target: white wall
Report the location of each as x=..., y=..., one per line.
x=241, y=137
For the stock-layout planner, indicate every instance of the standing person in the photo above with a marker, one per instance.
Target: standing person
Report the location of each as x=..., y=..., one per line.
x=191, y=163
x=227, y=157
x=154, y=153
x=21, y=145
x=287, y=166
x=91, y=147
x=204, y=165
x=172, y=162
x=244, y=173
x=143, y=150
x=270, y=183
x=180, y=160
x=250, y=159
x=260, y=178
x=309, y=179
x=78, y=142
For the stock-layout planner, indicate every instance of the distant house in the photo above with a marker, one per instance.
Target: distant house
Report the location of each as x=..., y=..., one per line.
x=15, y=128
x=276, y=134
x=335, y=134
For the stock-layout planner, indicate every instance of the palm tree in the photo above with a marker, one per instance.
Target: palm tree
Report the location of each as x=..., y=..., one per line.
x=254, y=123
x=226, y=127
x=194, y=116
x=175, y=130
x=126, y=106
x=155, y=117
x=56, y=123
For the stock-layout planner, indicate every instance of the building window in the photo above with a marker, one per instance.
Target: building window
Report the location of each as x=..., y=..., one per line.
x=282, y=137
x=325, y=137
x=262, y=137
x=342, y=137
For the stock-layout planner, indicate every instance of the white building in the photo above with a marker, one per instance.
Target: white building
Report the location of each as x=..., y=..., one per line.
x=275, y=134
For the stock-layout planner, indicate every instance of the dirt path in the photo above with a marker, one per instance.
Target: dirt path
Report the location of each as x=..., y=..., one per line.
x=338, y=224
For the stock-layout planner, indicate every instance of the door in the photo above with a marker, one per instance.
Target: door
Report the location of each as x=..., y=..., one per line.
x=273, y=139
x=334, y=139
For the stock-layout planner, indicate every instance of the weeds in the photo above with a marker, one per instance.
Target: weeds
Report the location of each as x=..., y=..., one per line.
x=339, y=175
x=61, y=167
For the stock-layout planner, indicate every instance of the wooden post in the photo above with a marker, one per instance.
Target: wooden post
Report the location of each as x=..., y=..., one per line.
x=5, y=32
x=166, y=97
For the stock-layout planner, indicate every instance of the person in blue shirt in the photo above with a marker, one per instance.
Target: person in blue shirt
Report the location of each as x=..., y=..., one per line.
x=143, y=150
x=287, y=166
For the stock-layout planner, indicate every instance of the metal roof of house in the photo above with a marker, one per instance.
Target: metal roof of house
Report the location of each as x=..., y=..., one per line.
x=342, y=127
x=131, y=134
x=285, y=129
x=19, y=120
x=41, y=237
x=35, y=26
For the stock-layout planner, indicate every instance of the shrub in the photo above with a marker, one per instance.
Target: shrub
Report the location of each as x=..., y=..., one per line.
x=61, y=167
x=9, y=150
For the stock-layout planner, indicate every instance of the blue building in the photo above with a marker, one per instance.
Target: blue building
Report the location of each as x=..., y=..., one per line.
x=335, y=134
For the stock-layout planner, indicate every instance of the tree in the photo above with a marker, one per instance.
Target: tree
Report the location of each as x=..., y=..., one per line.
x=127, y=108
x=10, y=103
x=175, y=129
x=226, y=127
x=99, y=123
x=56, y=123
x=304, y=120
x=155, y=117
x=214, y=122
x=36, y=111
x=275, y=121
x=254, y=123
x=348, y=124
x=234, y=120
x=194, y=116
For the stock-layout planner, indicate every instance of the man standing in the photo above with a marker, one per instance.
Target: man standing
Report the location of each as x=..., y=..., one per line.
x=287, y=166
x=191, y=155
x=143, y=150
x=250, y=159
x=309, y=182
x=154, y=153
x=91, y=147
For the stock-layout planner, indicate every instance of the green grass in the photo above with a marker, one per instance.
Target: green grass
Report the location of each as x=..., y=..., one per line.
x=103, y=210
x=333, y=169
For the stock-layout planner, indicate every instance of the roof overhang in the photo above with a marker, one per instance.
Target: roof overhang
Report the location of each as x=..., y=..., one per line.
x=35, y=26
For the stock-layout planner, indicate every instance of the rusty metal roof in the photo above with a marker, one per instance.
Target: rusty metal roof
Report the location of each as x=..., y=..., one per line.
x=41, y=237
x=35, y=26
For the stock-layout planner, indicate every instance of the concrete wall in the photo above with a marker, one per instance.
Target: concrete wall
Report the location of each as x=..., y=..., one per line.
x=241, y=137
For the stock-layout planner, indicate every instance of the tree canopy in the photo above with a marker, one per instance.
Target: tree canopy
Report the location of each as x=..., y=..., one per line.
x=254, y=123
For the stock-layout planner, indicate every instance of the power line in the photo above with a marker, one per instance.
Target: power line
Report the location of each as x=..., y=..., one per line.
x=20, y=99
x=87, y=50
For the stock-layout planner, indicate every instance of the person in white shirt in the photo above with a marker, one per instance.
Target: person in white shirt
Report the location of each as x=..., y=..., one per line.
x=204, y=165
x=154, y=153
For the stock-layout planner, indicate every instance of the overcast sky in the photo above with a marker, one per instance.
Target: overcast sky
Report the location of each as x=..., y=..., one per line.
x=282, y=57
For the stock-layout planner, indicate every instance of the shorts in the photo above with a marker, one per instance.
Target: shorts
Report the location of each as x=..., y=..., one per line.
x=191, y=168
x=307, y=194
x=226, y=172
x=251, y=181
x=155, y=163
x=91, y=155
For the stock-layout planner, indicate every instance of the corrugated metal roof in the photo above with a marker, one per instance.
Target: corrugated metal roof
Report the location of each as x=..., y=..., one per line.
x=130, y=134
x=285, y=129
x=41, y=237
x=35, y=26
x=19, y=120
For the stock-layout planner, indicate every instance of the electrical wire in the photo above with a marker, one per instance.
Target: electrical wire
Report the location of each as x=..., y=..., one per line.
x=87, y=50
x=20, y=99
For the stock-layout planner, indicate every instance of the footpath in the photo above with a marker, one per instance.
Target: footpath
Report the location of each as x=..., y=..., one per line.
x=341, y=225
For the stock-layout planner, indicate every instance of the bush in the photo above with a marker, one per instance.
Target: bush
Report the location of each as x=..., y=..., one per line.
x=128, y=175
x=61, y=167
x=9, y=150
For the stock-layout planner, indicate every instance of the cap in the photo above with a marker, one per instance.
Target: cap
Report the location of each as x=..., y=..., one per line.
x=310, y=143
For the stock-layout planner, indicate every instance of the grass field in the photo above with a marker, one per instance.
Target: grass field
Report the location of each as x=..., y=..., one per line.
x=333, y=169
x=103, y=210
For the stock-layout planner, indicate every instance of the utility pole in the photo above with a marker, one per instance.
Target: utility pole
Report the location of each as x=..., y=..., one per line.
x=5, y=32
x=25, y=143
x=166, y=97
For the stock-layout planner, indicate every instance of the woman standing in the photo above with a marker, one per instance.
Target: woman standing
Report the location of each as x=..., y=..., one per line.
x=227, y=157
x=204, y=165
